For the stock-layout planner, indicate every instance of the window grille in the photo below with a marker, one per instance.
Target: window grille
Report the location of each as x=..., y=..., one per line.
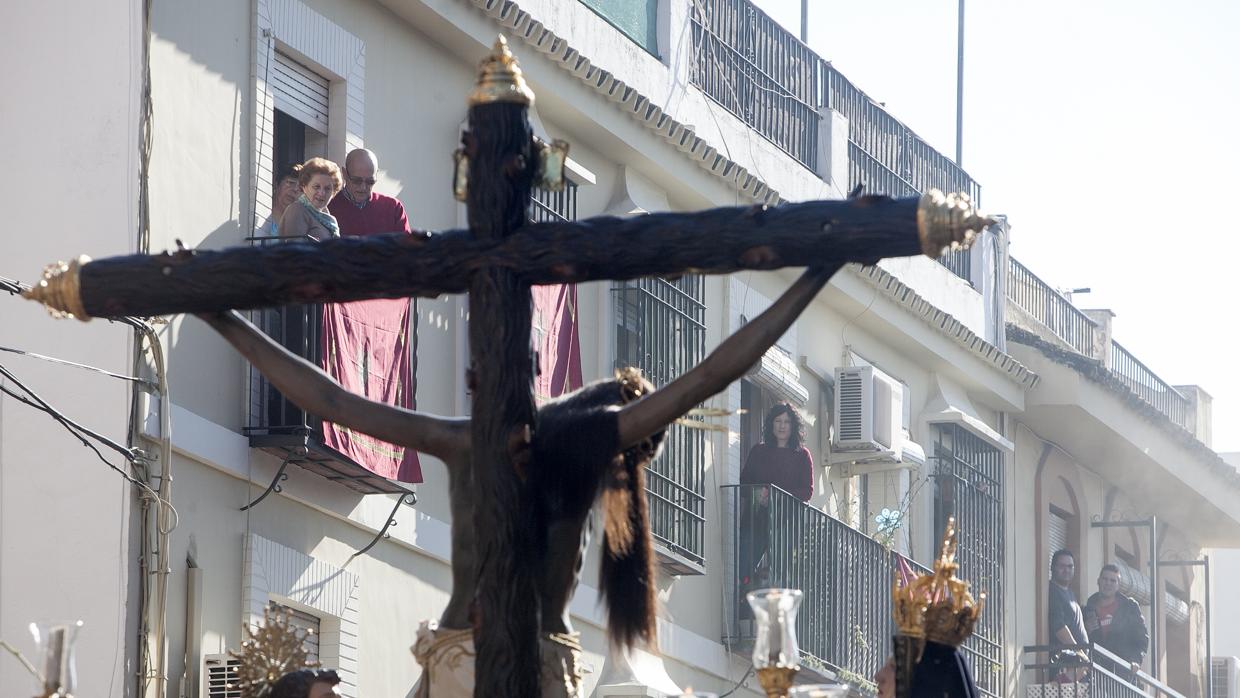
x=969, y=486
x=660, y=329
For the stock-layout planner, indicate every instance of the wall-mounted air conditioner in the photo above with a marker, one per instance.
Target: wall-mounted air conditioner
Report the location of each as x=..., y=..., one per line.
x=1224, y=677
x=220, y=676
x=869, y=431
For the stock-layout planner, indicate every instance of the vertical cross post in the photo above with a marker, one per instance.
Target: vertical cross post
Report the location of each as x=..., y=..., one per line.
x=502, y=162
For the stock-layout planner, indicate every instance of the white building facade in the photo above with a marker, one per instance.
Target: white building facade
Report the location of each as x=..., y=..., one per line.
x=668, y=105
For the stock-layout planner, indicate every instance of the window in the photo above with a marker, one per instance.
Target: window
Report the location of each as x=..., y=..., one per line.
x=969, y=486
x=303, y=622
x=660, y=329
x=636, y=19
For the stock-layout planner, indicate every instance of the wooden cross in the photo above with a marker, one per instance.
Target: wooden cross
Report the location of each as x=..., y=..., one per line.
x=496, y=261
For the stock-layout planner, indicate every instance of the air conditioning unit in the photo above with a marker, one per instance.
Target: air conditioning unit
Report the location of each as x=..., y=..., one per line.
x=220, y=677
x=1224, y=677
x=869, y=431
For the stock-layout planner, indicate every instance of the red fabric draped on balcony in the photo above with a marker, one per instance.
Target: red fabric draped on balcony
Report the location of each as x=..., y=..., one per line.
x=366, y=348
x=557, y=340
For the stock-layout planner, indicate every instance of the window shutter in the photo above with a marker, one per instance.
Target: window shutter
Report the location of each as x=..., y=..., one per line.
x=306, y=623
x=1057, y=532
x=300, y=92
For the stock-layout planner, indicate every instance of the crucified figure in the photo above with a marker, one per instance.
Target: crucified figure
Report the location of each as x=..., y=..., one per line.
x=589, y=444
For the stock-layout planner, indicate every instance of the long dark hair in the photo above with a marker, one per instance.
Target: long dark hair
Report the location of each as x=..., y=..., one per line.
x=768, y=425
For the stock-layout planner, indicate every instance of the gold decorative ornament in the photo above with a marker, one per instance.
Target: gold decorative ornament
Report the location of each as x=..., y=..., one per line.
x=551, y=159
x=60, y=289
x=270, y=651
x=500, y=79
x=948, y=222
x=776, y=680
x=952, y=612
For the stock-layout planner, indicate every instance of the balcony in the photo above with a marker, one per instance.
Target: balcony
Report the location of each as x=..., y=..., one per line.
x=1104, y=675
x=775, y=84
x=286, y=431
x=844, y=626
x=1055, y=315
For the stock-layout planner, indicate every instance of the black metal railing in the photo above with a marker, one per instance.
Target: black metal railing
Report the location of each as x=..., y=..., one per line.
x=1146, y=384
x=1080, y=671
x=764, y=75
x=759, y=71
x=660, y=328
x=280, y=427
x=844, y=624
x=968, y=478
x=887, y=157
x=1050, y=307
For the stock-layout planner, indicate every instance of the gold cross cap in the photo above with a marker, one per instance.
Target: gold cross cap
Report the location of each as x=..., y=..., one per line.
x=500, y=79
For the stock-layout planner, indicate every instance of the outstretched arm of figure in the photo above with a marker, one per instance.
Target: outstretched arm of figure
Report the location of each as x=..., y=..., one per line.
x=316, y=392
x=726, y=363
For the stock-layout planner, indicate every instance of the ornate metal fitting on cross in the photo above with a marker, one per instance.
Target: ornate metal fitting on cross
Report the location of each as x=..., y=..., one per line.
x=551, y=160
x=500, y=78
x=60, y=289
x=948, y=222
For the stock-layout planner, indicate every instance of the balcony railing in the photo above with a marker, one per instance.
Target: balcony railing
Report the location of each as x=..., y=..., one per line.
x=285, y=430
x=844, y=625
x=758, y=71
x=885, y=155
x=1050, y=307
x=1145, y=383
x=1053, y=673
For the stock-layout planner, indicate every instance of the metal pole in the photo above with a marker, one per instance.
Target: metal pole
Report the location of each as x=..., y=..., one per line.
x=1155, y=597
x=959, y=77
x=805, y=22
x=1209, y=644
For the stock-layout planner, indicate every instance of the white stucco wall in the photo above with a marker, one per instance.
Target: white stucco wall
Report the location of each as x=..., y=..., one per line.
x=65, y=552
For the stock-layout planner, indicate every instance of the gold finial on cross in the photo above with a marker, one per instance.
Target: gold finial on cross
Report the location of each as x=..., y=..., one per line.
x=500, y=79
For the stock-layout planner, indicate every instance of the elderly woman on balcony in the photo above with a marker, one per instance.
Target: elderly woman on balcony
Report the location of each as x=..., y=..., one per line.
x=319, y=180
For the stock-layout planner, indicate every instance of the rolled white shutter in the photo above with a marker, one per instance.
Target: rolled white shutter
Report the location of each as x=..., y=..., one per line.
x=300, y=92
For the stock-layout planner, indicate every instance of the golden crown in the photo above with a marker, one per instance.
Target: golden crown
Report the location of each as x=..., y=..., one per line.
x=937, y=606
x=270, y=651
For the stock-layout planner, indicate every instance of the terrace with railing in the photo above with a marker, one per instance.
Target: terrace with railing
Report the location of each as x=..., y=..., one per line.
x=1086, y=670
x=754, y=68
x=1058, y=316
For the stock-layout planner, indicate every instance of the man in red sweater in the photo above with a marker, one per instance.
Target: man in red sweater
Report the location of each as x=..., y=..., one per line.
x=358, y=208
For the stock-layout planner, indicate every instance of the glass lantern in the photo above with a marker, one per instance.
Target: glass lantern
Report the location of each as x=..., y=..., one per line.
x=776, y=656
x=56, y=644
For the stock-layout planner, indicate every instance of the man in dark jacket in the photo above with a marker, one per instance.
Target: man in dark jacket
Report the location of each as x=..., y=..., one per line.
x=1115, y=621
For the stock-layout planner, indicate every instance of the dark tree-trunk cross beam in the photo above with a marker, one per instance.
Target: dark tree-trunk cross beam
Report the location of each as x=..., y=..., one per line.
x=522, y=478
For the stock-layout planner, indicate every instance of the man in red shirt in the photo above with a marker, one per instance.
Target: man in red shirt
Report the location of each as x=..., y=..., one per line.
x=358, y=208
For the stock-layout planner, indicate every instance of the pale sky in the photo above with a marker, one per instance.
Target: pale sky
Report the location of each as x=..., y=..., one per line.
x=1107, y=130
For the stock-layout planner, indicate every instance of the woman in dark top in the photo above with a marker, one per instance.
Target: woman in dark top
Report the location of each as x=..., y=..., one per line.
x=780, y=459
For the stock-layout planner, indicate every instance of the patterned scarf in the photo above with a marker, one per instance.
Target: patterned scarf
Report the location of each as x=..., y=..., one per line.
x=325, y=219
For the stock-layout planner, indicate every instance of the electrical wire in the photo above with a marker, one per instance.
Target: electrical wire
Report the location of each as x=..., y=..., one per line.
x=66, y=362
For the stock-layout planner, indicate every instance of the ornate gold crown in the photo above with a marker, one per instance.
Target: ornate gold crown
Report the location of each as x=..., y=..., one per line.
x=937, y=606
x=270, y=651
